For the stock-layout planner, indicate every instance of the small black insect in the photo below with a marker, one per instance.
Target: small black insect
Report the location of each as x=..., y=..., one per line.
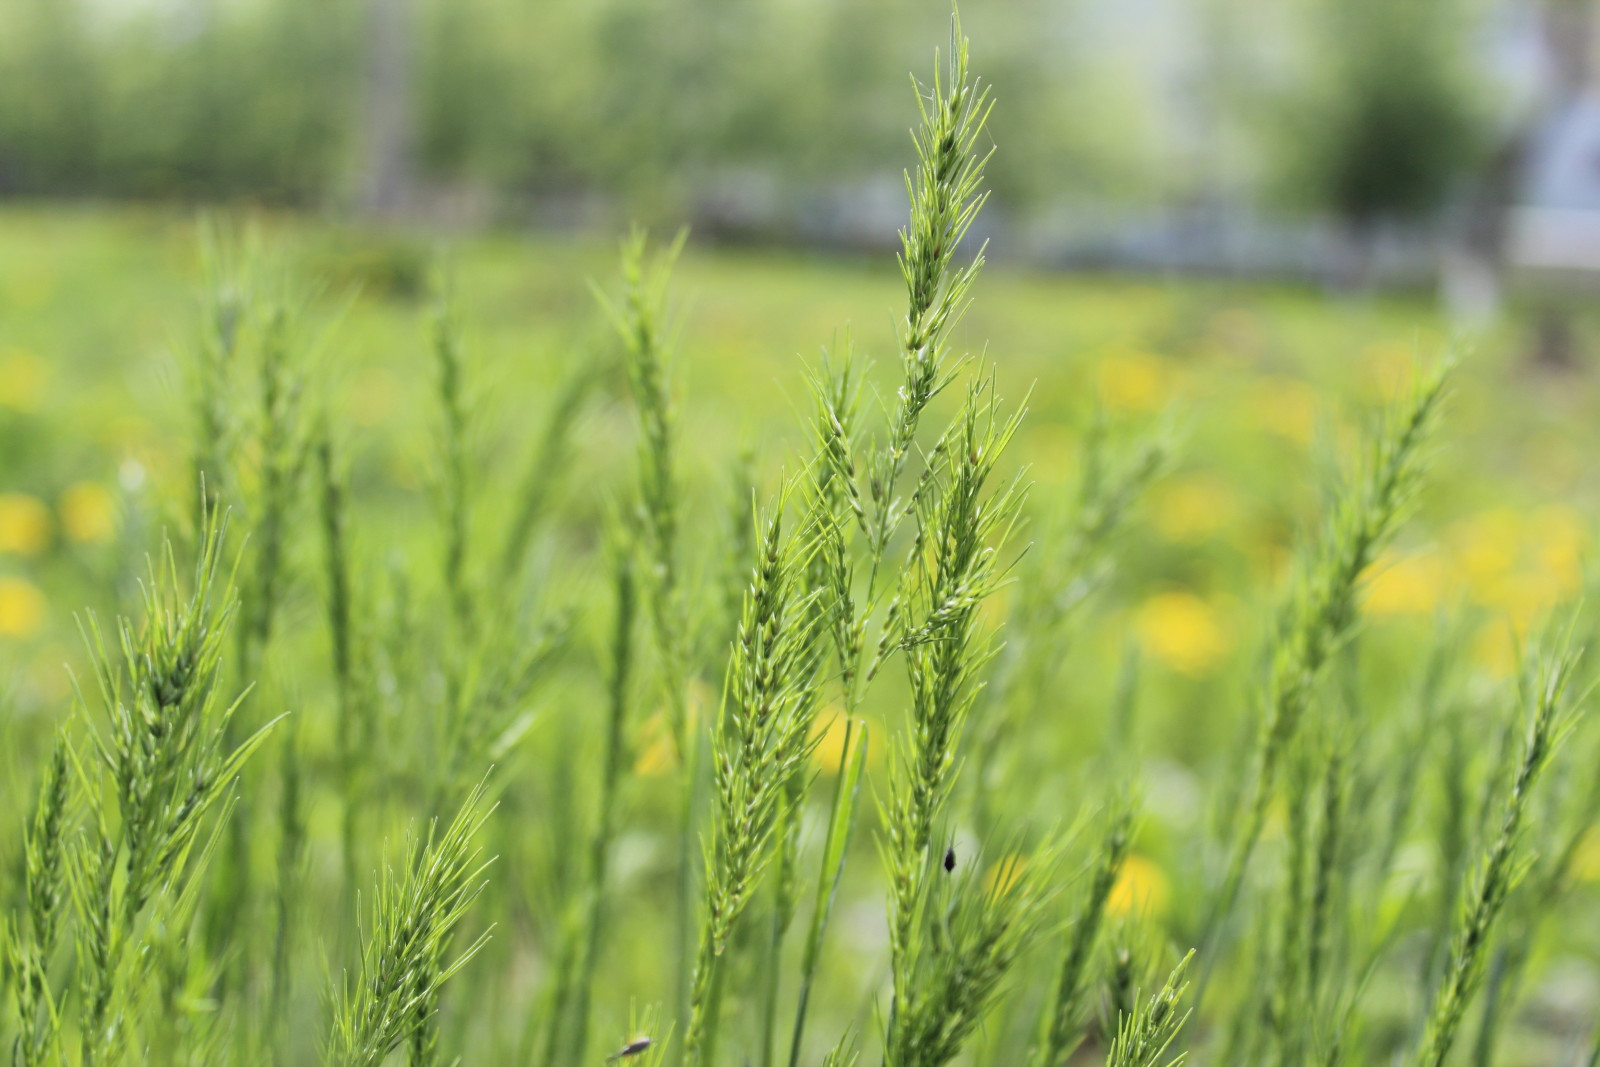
x=632, y=1048
x=949, y=858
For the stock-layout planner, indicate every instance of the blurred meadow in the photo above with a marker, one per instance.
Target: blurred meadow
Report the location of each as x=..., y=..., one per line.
x=394, y=343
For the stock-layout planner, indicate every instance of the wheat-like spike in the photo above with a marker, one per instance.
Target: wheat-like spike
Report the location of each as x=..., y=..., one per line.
x=1548, y=718
x=760, y=743
x=406, y=958
x=1146, y=1034
x=1324, y=598
x=946, y=195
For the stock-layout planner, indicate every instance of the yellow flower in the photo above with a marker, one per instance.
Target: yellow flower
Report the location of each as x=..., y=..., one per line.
x=1193, y=508
x=658, y=756
x=1182, y=631
x=831, y=728
x=1141, y=888
x=1134, y=381
x=1286, y=407
x=1000, y=878
x=1526, y=598
x=1406, y=585
x=21, y=607
x=1586, y=857
x=1561, y=538
x=24, y=524
x=88, y=512
x=22, y=379
x=1486, y=548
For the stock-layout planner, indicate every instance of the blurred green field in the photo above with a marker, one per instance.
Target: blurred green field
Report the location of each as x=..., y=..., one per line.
x=1255, y=388
x=1255, y=383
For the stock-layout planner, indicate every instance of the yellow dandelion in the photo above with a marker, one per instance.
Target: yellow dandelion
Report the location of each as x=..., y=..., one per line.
x=1526, y=598
x=1406, y=585
x=88, y=512
x=1193, y=508
x=1141, y=888
x=1182, y=631
x=1000, y=878
x=830, y=732
x=1561, y=540
x=658, y=755
x=1134, y=381
x=697, y=700
x=1486, y=547
x=1586, y=857
x=22, y=379
x=1285, y=407
x=21, y=607
x=24, y=524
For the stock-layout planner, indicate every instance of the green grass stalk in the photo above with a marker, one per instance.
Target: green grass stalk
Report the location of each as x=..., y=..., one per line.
x=760, y=741
x=1323, y=605
x=610, y=780
x=1061, y=1025
x=835, y=851
x=1503, y=862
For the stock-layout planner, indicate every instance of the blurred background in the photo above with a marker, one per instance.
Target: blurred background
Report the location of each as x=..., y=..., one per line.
x=1350, y=142
x=1229, y=226
x=1245, y=219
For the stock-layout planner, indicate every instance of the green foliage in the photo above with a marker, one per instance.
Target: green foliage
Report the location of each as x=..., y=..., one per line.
x=406, y=957
x=760, y=742
x=1148, y=1031
x=1393, y=118
x=683, y=875
x=1503, y=863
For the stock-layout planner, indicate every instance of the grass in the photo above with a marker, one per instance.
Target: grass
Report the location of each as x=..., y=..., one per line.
x=680, y=600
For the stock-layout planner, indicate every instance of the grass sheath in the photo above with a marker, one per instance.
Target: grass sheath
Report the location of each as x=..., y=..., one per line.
x=610, y=781
x=835, y=851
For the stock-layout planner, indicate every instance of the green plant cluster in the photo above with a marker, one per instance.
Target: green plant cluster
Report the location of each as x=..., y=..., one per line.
x=322, y=803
